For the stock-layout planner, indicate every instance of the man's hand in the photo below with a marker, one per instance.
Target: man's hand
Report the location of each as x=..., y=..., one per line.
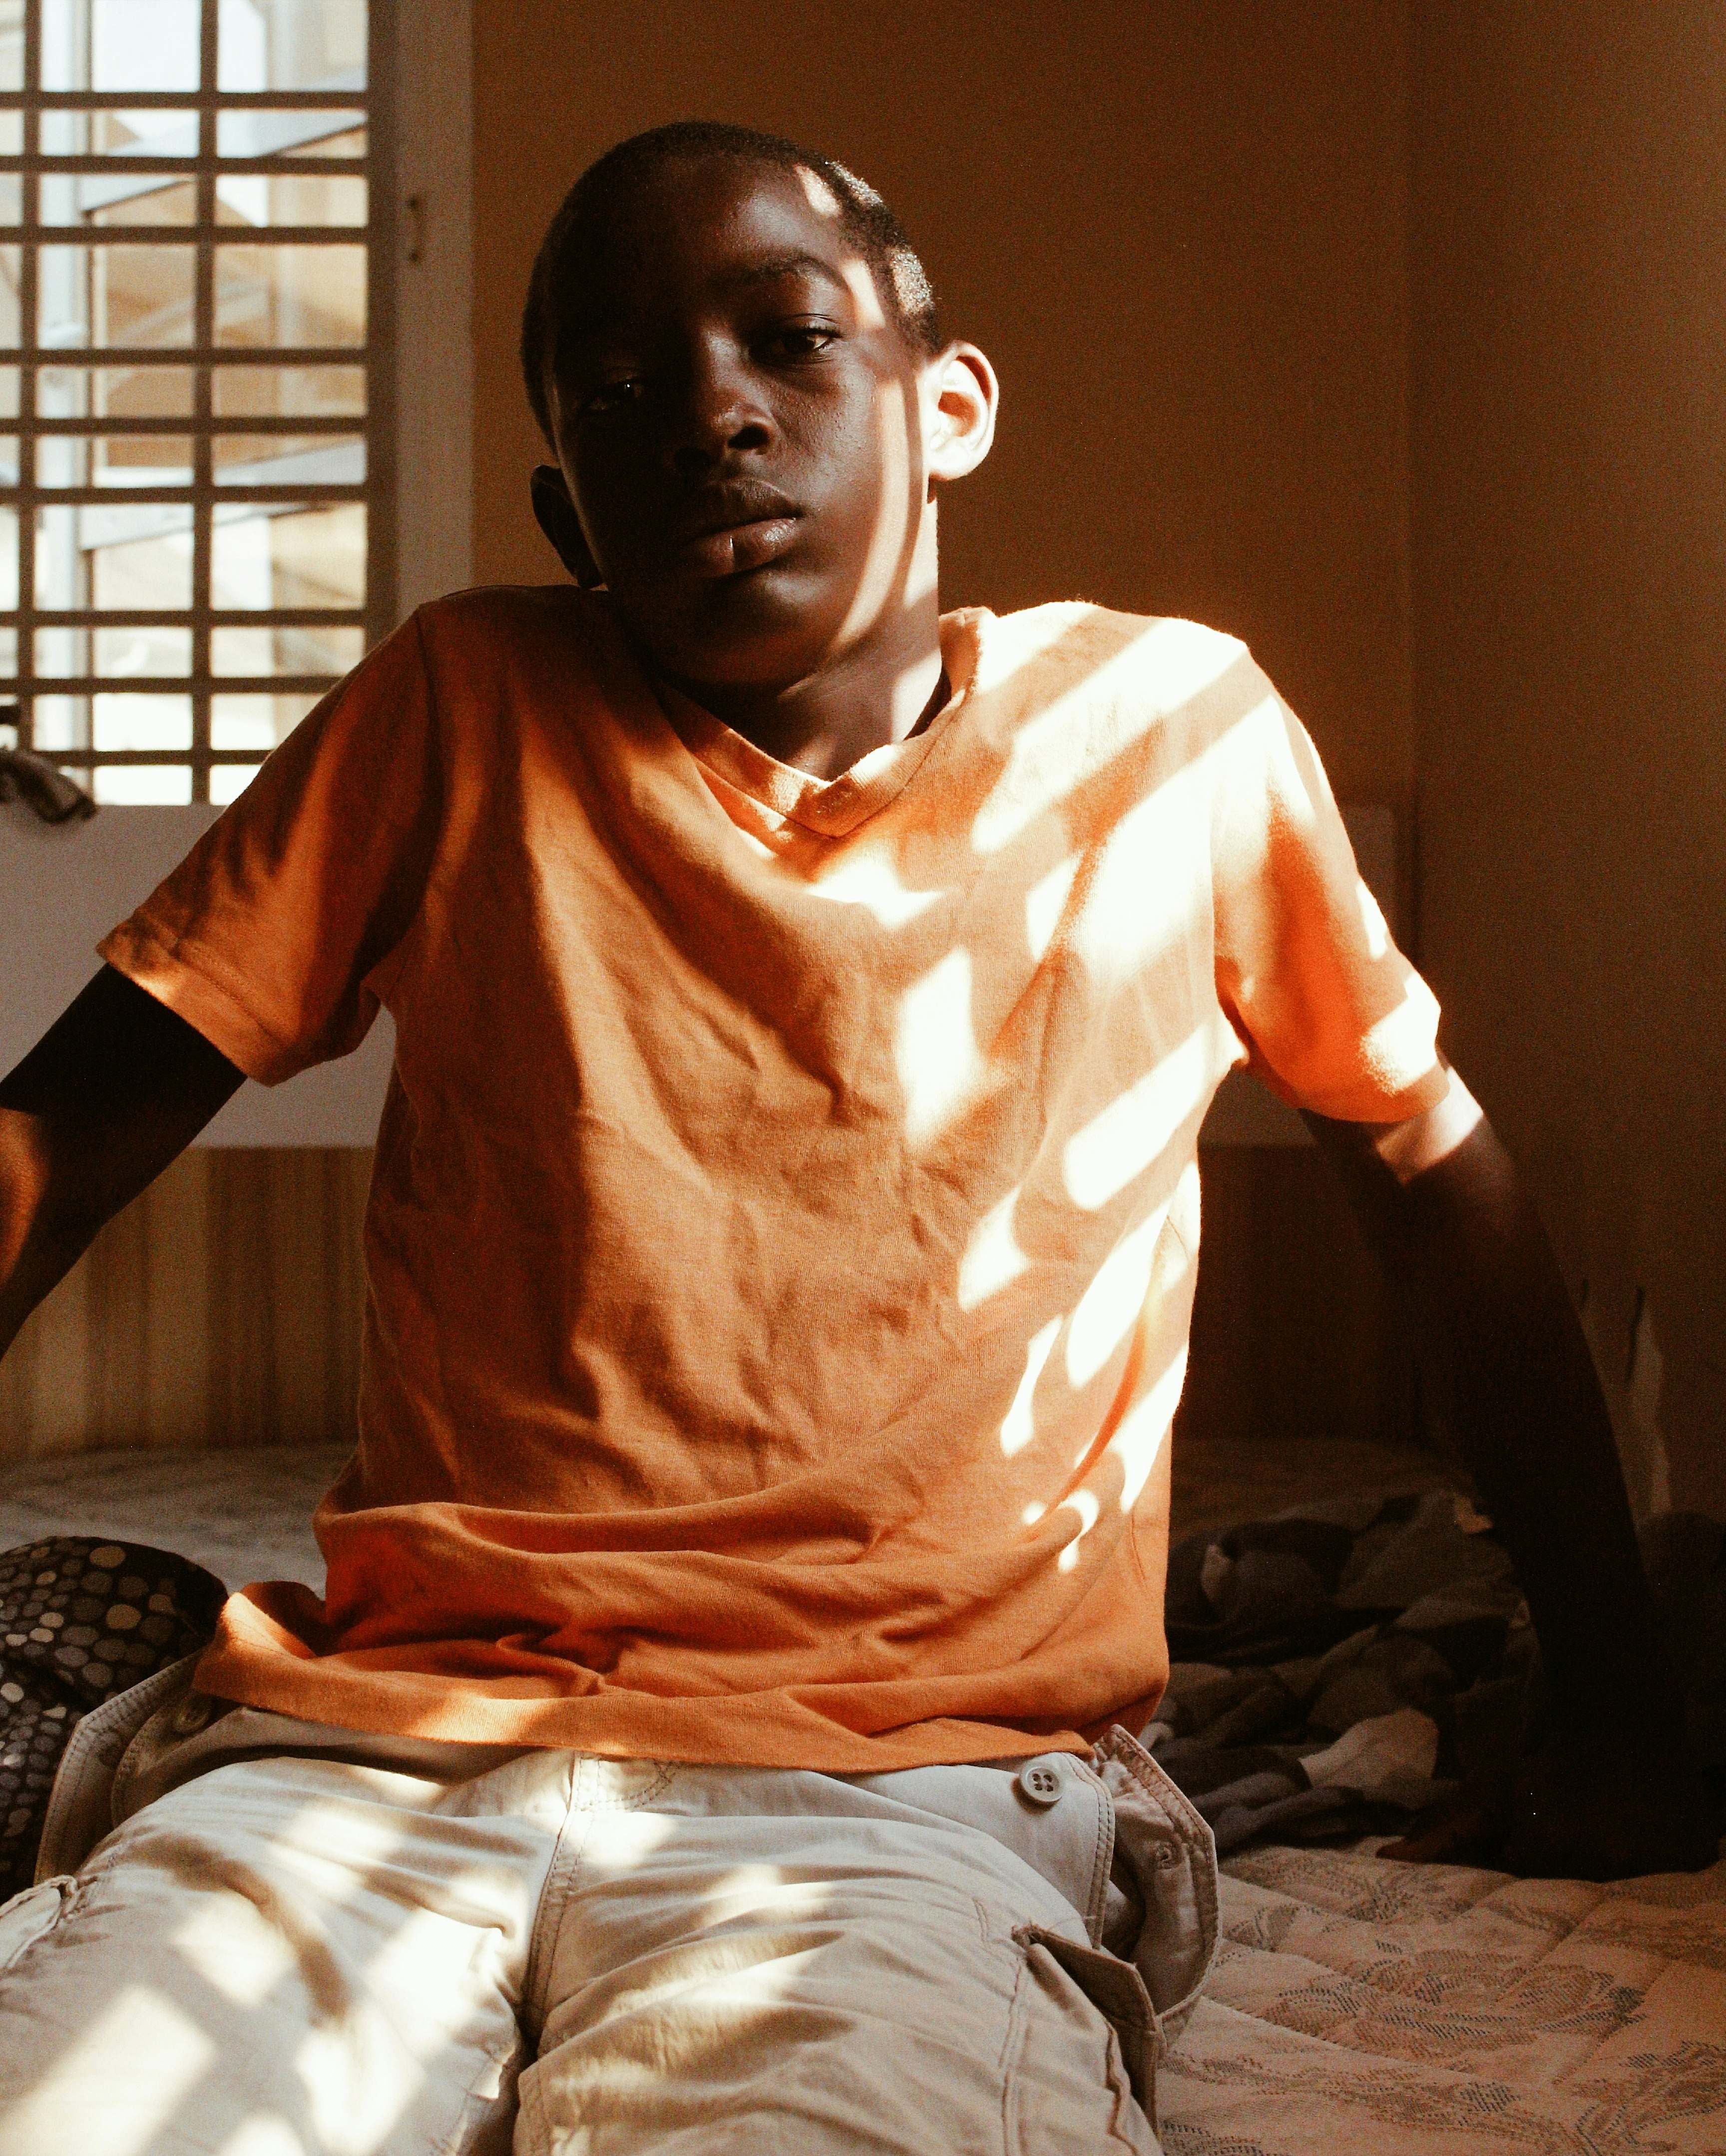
x=1573, y=1809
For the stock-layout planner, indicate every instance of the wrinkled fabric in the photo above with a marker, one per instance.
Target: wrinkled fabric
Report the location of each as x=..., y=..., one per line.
x=782, y=1236
x=1342, y=1665
x=302, y=1938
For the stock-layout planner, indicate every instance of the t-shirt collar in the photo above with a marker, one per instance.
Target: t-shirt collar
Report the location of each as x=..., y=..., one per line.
x=832, y=807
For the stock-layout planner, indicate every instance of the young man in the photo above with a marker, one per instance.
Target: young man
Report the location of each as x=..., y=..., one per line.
x=779, y=1259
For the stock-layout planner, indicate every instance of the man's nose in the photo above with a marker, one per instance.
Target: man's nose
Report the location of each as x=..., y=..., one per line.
x=718, y=412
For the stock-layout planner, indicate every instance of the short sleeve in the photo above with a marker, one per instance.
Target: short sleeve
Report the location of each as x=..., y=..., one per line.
x=1333, y=1017
x=278, y=936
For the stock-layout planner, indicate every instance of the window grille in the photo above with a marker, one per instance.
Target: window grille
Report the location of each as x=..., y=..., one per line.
x=192, y=519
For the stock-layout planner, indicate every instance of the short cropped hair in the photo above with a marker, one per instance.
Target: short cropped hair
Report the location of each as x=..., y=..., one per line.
x=880, y=238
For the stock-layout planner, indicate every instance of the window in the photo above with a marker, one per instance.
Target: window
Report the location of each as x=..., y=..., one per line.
x=190, y=513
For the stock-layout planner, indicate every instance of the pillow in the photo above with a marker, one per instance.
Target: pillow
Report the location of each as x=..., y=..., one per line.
x=81, y=1619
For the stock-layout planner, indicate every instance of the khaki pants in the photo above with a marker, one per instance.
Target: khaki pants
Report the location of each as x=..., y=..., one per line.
x=298, y=1939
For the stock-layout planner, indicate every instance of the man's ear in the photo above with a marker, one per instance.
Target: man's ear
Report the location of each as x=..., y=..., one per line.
x=960, y=399
x=555, y=513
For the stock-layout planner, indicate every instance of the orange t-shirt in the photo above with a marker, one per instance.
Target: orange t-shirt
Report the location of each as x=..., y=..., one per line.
x=782, y=1234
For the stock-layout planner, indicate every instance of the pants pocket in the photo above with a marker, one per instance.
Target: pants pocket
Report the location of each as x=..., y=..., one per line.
x=32, y=1916
x=1081, y=2074
x=1116, y=1990
x=1148, y=1993
x=80, y=1804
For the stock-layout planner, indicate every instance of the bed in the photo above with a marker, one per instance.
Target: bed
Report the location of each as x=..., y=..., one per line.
x=243, y=1516
x=1357, y=2005
x=1428, y=2009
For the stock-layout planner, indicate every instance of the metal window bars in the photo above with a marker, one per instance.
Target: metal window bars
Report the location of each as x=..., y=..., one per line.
x=197, y=318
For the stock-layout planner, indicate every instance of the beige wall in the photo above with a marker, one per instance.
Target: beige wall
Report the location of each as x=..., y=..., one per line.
x=1178, y=230
x=1186, y=234
x=1568, y=264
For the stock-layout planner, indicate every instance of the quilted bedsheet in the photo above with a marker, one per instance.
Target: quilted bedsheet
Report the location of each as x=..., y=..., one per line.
x=1360, y=2008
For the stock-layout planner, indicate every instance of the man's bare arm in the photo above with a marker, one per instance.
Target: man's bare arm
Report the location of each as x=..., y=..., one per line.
x=117, y=1087
x=1440, y=1201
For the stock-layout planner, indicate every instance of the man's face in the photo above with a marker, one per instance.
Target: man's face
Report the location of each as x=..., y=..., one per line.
x=737, y=423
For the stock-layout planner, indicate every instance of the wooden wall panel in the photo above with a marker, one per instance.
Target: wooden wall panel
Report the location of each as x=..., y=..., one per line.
x=1294, y=1335
x=221, y=1309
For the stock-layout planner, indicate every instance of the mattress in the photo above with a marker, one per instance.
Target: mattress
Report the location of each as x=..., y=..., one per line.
x=243, y=1516
x=1358, y=2008
x=1401, y=2009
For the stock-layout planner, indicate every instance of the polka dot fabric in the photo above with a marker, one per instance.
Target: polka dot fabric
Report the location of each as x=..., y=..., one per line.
x=80, y=1620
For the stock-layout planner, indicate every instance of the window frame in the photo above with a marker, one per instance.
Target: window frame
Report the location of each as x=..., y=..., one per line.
x=203, y=354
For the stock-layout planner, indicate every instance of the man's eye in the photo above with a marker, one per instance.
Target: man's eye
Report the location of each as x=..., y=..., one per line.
x=801, y=341
x=615, y=396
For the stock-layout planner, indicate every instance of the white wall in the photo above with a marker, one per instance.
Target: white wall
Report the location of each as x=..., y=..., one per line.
x=64, y=886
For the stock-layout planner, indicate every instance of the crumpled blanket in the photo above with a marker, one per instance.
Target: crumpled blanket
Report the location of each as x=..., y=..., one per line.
x=1342, y=1665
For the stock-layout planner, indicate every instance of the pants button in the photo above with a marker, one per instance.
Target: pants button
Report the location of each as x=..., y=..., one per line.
x=191, y=1715
x=1040, y=1781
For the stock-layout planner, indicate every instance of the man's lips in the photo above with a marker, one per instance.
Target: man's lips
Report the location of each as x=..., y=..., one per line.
x=732, y=548
x=733, y=524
